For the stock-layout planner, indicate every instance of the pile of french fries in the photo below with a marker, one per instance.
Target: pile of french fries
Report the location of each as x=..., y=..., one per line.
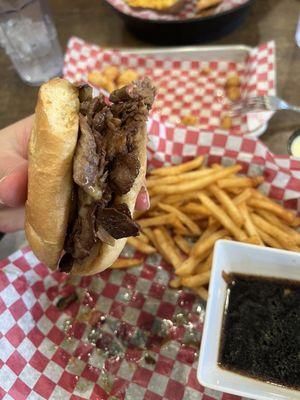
x=192, y=206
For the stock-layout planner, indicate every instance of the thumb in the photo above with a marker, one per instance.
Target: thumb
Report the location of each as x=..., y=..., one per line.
x=13, y=187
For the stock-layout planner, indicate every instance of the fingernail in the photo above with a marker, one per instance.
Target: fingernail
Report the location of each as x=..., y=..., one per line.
x=146, y=199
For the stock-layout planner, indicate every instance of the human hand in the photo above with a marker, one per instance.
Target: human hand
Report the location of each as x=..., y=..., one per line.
x=13, y=176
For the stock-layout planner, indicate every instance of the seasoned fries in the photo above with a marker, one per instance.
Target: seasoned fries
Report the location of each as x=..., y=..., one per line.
x=193, y=206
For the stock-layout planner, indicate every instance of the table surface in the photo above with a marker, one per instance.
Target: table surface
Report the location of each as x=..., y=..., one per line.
x=93, y=21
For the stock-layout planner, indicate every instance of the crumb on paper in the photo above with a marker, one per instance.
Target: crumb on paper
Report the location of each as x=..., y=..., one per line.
x=189, y=120
x=111, y=78
x=233, y=93
x=233, y=80
x=226, y=122
x=233, y=87
x=206, y=71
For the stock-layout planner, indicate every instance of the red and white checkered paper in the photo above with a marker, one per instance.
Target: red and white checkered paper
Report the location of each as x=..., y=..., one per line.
x=183, y=87
x=45, y=353
x=188, y=11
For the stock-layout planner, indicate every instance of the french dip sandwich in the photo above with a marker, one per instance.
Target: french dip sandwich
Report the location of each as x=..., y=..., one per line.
x=87, y=163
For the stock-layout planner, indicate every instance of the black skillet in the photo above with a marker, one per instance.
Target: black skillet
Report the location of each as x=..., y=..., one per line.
x=186, y=31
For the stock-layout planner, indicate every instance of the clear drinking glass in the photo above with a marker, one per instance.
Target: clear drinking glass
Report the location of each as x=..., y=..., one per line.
x=29, y=37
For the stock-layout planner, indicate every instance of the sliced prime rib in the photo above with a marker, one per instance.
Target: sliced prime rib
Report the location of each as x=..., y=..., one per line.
x=105, y=166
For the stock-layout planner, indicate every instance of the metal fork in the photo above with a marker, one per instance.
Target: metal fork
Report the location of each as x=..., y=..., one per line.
x=259, y=104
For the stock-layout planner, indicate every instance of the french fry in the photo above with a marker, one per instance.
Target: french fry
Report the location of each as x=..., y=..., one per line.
x=197, y=184
x=174, y=179
x=196, y=280
x=187, y=267
x=179, y=225
x=240, y=182
x=204, y=4
x=210, y=229
x=190, y=264
x=160, y=249
x=175, y=283
x=273, y=219
x=126, y=263
x=156, y=221
x=194, y=228
x=179, y=199
x=222, y=217
x=178, y=169
x=285, y=240
x=249, y=225
x=203, y=245
x=150, y=235
x=244, y=196
x=167, y=248
x=269, y=240
x=201, y=292
x=296, y=222
x=254, y=240
x=172, y=244
x=206, y=265
x=227, y=204
x=149, y=232
x=143, y=238
x=195, y=208
x=183, y=244
x=275, y=208
x=141, y=246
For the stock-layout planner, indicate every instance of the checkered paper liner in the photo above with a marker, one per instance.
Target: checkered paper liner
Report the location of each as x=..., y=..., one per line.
x=128, y=336
x=183, y=86
x=188, y=11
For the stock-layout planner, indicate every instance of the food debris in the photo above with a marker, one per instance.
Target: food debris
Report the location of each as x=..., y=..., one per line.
x=226, y=122
x=189, y=119
x=66, y=301
x=149, y=359
x=233, y=87
x=233, y=93
x=233, y=80
x=206, y=71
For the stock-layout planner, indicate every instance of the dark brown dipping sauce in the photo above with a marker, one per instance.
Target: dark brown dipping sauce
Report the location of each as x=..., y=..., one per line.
x=261, y=329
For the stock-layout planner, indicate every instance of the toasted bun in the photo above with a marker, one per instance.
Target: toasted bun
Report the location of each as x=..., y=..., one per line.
x=51, y=148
